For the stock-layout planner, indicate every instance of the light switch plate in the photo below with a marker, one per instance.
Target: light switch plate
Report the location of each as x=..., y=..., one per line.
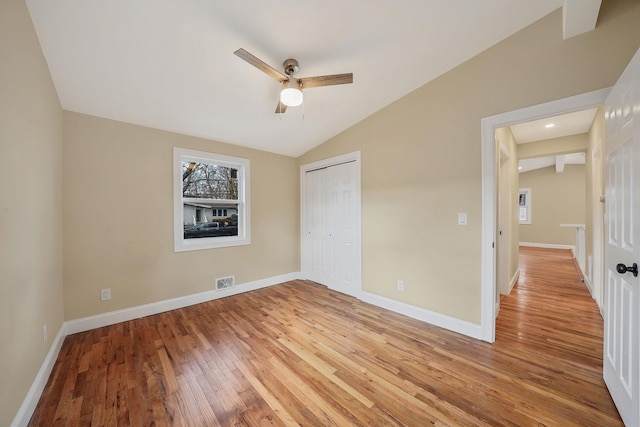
x=462, y=218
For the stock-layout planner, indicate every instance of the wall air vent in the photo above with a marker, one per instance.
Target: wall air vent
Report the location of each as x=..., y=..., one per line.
x=225, y=282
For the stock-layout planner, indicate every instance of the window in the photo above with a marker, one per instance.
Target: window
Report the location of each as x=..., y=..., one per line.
x=524, y=205
x=210, y=200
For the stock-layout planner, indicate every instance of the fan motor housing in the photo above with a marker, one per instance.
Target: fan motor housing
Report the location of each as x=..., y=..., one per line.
x=291, y=66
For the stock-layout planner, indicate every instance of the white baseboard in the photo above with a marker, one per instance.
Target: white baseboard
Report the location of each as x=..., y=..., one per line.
x=92, y=322
x=548, y=246
x=30, y=402
x=113, y=317
x=514, y=279
x=589, y=285
x=37, y=387
x=456, y=325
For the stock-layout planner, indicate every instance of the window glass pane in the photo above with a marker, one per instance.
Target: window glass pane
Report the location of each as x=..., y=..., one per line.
x=217, y=185
x=524, y=205
x=210, y=200
x=209, y=181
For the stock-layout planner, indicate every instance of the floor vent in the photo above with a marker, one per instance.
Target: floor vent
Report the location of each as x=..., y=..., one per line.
x=225, y=282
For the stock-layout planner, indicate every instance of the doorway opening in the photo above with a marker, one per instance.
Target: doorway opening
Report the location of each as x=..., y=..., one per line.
x=490, y=188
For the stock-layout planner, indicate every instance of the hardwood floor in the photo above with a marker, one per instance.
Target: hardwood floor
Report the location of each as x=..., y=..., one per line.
x=299, y=354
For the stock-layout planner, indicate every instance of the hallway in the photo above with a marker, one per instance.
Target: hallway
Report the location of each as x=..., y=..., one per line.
x=551, y=320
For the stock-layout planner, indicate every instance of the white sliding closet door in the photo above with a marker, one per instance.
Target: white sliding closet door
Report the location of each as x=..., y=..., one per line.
x=315, y=240
x=331, y=226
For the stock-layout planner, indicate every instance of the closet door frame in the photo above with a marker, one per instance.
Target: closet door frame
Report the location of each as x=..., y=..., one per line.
x=305, y=253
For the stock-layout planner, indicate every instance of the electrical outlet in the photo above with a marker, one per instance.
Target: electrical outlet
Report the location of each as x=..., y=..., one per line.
x=105, y=294
x=45, y=334
x=400, y=285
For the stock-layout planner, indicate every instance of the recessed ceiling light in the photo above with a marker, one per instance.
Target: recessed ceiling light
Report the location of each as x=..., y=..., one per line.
x=550, y=125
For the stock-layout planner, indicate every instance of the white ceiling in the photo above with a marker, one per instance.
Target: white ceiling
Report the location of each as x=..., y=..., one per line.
x=554, y=127
x=574, y=123
x=170, y=64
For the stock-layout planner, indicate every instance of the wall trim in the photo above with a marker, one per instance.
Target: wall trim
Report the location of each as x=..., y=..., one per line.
x=440, y=320
x=25, y=412
x=113, y=317
x=549, y=246
x=514, y=279
x=589, y=285
x=488, y=126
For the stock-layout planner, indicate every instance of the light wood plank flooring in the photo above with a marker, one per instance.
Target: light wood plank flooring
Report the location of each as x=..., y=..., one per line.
x=299, y=354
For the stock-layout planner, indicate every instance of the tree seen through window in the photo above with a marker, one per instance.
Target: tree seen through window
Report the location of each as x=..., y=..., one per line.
x=209, y=181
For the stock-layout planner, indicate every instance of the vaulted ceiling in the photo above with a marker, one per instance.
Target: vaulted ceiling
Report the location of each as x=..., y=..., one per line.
x=170, y=64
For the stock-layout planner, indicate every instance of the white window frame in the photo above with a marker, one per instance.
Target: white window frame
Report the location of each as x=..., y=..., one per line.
x=527, y=194
x=180, y=244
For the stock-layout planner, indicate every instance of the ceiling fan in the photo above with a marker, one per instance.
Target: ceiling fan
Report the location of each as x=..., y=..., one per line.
x=291, y=92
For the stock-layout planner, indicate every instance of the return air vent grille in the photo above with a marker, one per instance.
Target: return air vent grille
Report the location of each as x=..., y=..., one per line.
x=225, y=282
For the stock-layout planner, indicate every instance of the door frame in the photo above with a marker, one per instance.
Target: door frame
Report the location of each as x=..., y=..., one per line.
x=353, y=157
x=490, y=186
x=597, y=233
x=503, y=242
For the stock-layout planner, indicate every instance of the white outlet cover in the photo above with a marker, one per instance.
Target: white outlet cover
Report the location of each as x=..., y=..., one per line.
x=105, y=294
x=462, y=218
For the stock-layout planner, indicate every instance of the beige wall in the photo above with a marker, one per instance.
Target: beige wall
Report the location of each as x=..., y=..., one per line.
x=423, y=153
x=553, y=146
x=556, y=198
x=118, y=218
x=30, y=207
x=553, y=200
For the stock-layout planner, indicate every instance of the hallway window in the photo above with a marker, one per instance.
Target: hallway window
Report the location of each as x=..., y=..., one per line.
x=524, y=205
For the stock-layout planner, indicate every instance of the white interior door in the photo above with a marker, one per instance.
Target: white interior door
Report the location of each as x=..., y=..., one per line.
x=315, y=223
x=331, y=225
x=622, y=248
x=342, y=227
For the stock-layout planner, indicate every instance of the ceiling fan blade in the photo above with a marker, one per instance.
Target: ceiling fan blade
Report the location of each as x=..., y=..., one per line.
x=260, y=65
x=281, y=108
x=334, y=79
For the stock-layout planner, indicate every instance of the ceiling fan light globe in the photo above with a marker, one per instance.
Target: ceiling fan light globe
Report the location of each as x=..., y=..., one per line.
x=291, y=97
